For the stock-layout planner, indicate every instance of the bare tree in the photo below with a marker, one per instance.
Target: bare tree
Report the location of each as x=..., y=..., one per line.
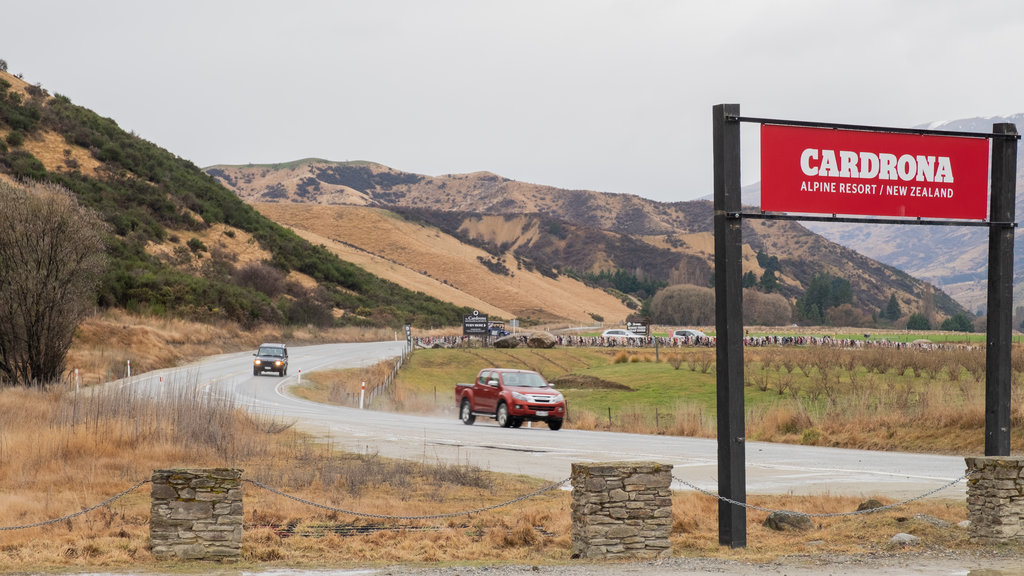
x=684, y=304
x=51, y=261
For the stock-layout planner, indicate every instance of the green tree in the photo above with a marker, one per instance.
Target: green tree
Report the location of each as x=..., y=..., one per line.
x=749, y=279
x=892, y=309
x=824, y=291
x=958, y=323
x=52, y=257
x=918, y=321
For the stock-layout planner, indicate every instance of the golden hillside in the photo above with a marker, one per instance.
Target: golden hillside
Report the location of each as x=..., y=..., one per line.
x=430, y=261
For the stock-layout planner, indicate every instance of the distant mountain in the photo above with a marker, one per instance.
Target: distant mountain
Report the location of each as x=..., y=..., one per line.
x=567, y=233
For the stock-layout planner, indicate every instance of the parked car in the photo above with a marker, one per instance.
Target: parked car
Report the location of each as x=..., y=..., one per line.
x=271, y=357
x=689, y=333
x=621, y=334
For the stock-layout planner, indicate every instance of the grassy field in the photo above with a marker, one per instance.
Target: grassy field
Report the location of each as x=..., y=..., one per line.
x=875, y=398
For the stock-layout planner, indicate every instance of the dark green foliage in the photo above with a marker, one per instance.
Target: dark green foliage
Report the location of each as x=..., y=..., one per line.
x=749, y=279
x=918, y=321
x=15, y=112
x=825, y=291
x=769, y=281
x=196, y=245
x=362, y=178
x=892, y=310
x=958, y=323
x=769, y=263
x=23, y=165
x=495, y=266
x=625, y=282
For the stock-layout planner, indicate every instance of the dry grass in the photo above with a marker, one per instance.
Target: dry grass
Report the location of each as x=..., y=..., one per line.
x=60, y=455
x=60, y=452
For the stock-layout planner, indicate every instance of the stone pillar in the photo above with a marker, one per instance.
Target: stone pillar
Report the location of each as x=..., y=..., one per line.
x=621, y=510
x=995, y=499
x=196, y=514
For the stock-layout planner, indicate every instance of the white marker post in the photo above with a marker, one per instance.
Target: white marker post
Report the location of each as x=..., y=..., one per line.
x=362, y=395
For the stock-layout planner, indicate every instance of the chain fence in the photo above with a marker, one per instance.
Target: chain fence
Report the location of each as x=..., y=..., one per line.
x=550, y=487
x=106, y=502
x=874, y=510
x=554, y=486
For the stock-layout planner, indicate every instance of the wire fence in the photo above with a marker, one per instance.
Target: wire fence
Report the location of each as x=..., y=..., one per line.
x=480, y=510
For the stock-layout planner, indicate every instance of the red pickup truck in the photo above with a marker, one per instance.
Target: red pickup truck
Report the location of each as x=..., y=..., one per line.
x=511, y=397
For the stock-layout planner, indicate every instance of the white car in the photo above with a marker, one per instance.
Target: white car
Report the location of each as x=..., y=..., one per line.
x=690, y=334
x=621, y=334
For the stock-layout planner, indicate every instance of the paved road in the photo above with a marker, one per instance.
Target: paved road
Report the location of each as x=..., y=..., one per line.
x=539, y=452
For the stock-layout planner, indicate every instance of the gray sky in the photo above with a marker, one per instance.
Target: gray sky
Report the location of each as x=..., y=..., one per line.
x=613, y=96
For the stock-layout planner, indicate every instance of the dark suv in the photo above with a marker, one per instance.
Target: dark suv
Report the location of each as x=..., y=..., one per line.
x=271, y=358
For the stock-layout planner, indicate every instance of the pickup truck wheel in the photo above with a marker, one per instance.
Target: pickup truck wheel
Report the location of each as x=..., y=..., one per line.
x=255, y=371
x=466, y=413
x=517, y=422
x=502, y=416
x=555, y=424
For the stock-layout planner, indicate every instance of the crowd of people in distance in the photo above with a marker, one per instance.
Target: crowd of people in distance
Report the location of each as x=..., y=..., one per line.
x=570, y=340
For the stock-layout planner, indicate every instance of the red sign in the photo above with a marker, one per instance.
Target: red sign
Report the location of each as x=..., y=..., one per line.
x=830, y=171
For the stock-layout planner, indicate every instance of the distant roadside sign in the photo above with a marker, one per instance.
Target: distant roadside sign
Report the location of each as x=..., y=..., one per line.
x=638, y=328
x=475, y=324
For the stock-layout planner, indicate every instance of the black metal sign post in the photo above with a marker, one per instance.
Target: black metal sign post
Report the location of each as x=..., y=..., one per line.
x=728, y=219
x=732, y=479
x=1000, y=292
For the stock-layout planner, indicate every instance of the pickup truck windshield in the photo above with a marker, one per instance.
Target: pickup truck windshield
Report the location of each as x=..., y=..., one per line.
x=525, y=380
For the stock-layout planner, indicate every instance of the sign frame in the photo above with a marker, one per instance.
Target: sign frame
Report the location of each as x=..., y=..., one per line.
x=828, y=170
x=728, y=217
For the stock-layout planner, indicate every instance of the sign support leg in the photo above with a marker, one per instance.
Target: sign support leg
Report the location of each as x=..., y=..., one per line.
x=998, y=368
x=732, y=518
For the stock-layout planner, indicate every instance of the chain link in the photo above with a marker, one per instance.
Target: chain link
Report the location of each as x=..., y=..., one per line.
x=110, y=500
x=825, y=514
x=390, y=517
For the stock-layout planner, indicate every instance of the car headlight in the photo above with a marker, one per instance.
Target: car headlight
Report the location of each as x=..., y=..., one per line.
x=520, y=397
x=558, y=398
x=257, y=362
x=278, y=363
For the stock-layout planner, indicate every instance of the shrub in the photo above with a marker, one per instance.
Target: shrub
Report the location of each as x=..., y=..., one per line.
x=196, y=245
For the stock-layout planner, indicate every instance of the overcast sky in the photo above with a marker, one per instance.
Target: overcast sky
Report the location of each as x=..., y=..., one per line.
x=613, y=96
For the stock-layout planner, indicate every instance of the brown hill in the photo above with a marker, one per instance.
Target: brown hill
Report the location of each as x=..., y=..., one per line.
x=430, y=261
x=549, y=230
